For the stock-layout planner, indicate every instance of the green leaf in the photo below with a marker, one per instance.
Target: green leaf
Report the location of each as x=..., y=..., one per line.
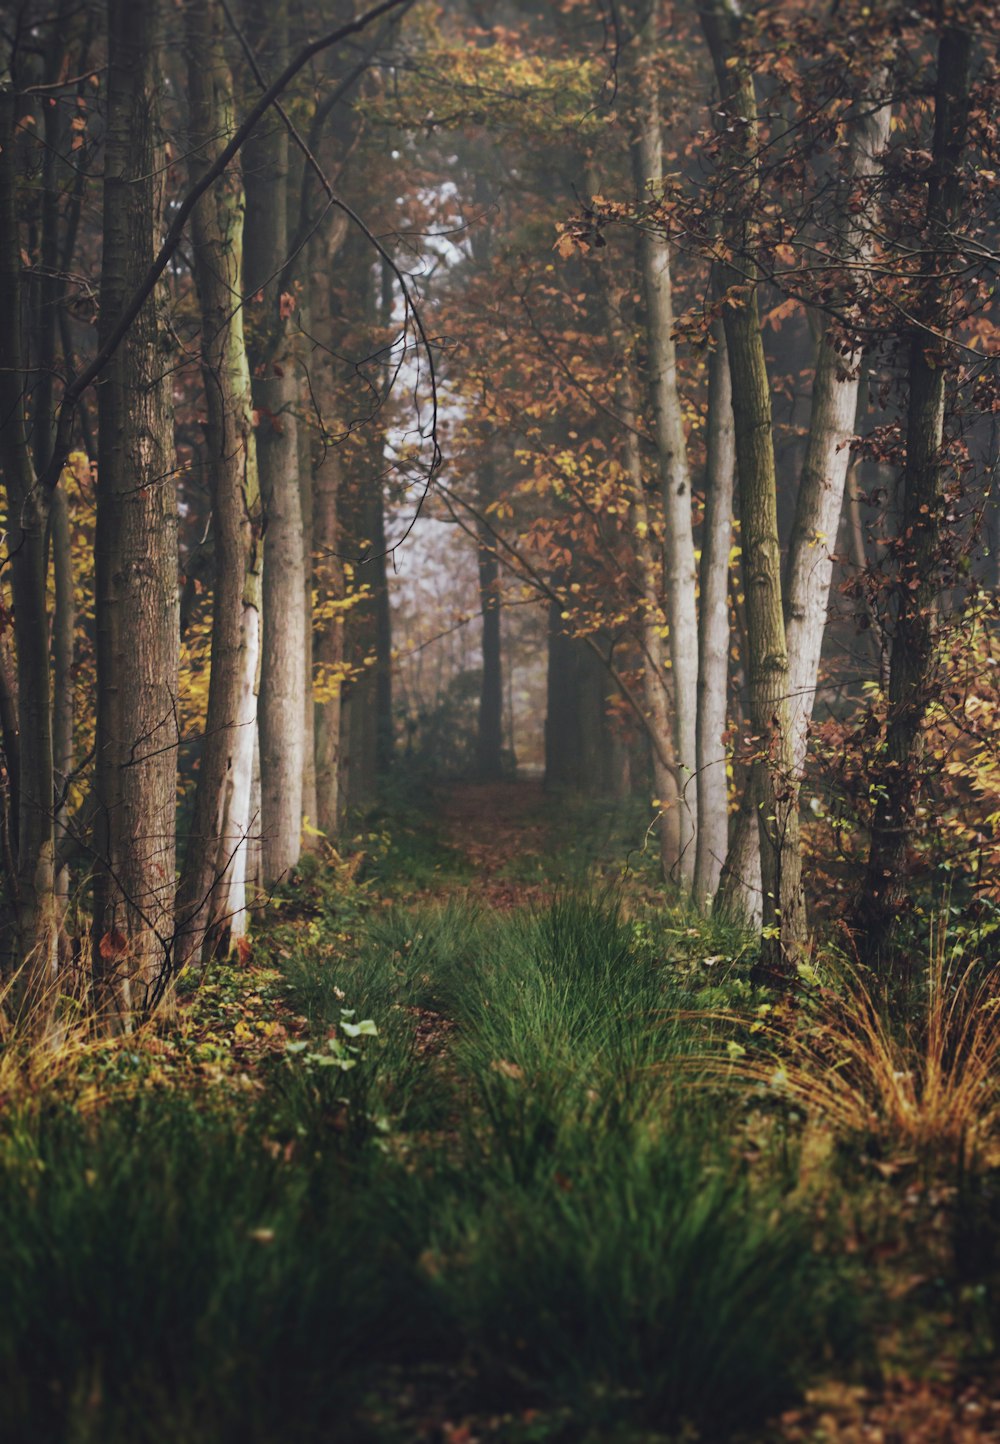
x=365, y=1029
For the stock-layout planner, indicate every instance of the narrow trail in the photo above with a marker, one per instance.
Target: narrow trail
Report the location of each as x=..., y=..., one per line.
x=495, y=827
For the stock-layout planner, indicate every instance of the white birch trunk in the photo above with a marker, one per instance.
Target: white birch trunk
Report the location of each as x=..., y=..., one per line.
x=713, y=630
x=681, y=606
x=832, y=424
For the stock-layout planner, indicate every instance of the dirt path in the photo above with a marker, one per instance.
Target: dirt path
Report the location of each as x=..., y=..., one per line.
x=495, y=825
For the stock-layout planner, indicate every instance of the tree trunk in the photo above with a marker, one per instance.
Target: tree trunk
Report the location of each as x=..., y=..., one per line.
x=671, y=445
x=275, y=398
x=739, y=895
x=211, y=895
x=775, y=783
x=310, y=832
x=136, y=558
x=327, y=540
x=820, y=497
x=34, y=940
x=911, y=675
x=578, y=752
x=650, y=580
x=63, y=686
x=329, y=642
x=385, y=741
x=713, y=629
x=489, y=742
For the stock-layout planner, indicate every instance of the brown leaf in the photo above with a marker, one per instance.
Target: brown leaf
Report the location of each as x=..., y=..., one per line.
x=113, y=945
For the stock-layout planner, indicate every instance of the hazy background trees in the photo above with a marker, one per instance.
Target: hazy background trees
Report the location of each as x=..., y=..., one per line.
x=599, y=393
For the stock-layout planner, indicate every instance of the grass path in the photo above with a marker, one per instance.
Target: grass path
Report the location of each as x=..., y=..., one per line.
x=496, y=827
x=428, y=1168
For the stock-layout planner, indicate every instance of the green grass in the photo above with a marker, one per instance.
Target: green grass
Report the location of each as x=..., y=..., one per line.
x=169, y=1275
x=511, y=1197
x=646, y=1282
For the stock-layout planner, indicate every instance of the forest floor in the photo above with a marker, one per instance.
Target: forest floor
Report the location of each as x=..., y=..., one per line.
x=484, y=1144
x=506, y=831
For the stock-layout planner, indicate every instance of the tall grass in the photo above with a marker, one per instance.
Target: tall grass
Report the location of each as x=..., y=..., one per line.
x=927, y=1085
x=513, y=1189
x=648, y=1283
x=167, y=1277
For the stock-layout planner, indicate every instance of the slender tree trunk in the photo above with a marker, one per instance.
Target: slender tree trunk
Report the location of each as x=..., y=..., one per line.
x=309, y=797
x=275, y=397
x=713, y=630
x=820, y=497
x=211, y=894
x=34, y=907
x=50, y=298
x=776, y=790
x=385, y=742
x=675, y=480
x=922, y=525
x=489, y=744
x=385, y=731
x=579, y=755
x=561, y=760
x=11, y=736
x=136, y=557
x=63, y=687
x=650, y=578
x=366, y=715
x=328, y=574
x=329, y=644
x=739, y=895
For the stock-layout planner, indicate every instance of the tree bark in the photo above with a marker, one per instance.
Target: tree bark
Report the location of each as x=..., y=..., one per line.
x=385, y=741
x=305, y=469
x=327, y=542
x=713, y=628
x=912, y=659
x=212, y=892
x=649, y=562
x=489, y=741
x=275, y=397
x=329, y=642
x=739, y=895
x=776, y=790
x=34, y=941
x=820, y=496
x=579, y=755
x=63, y=686
x=671, y=444
x=136, y=557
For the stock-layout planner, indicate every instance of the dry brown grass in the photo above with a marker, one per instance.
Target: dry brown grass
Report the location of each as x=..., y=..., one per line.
x=49, y=1041
x=931, y=1087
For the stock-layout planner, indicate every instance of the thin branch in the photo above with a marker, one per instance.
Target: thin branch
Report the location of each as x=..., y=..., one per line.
x=139, y=297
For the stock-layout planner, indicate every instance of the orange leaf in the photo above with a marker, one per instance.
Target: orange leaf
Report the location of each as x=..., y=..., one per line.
x=112, y=946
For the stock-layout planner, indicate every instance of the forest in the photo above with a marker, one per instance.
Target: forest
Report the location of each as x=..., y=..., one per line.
x=499, y=683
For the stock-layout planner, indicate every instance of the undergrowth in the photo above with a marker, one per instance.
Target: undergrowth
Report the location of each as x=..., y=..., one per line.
x=418, y=1164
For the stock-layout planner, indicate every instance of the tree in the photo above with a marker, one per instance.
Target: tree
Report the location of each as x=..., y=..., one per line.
x=136, y=553
x=924, y=517
x=671, y=445
x=775, y=782
x=274, y=366
x=31, y=875
x=211, y=894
